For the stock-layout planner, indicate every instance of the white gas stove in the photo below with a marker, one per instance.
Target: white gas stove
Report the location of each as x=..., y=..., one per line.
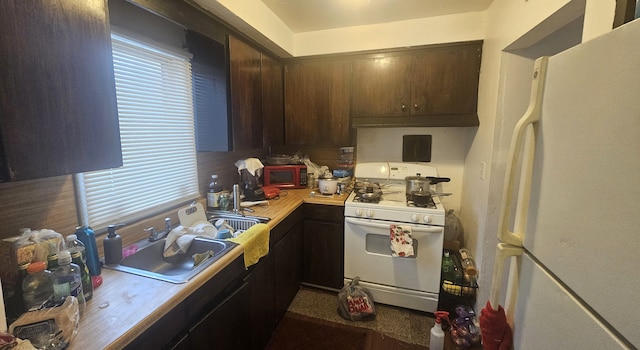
x=393, y=204
x=411, y=282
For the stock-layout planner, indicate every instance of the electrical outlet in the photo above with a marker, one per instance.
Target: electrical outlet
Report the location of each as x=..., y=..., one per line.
x=482, y=170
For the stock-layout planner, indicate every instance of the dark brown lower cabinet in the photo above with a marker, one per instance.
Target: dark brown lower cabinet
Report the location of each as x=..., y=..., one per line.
x=225, y=326
x=288, y=269
x=238, y=308
x=323, y=262
x=262, y=302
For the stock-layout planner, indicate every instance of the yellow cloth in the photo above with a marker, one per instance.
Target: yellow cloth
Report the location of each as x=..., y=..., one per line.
x=255, y=242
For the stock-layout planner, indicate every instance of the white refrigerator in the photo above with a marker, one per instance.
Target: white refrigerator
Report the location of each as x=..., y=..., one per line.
x=568, y=260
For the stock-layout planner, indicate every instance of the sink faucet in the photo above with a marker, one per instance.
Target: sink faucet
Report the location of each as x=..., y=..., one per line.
x=155, y=235
x=236, y=200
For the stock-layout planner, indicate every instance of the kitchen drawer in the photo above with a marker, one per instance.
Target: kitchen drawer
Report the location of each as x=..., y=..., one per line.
x=332, y=213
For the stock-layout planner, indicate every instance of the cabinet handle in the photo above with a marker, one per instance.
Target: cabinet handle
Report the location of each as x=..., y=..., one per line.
x=416, y=106
x=403, y=108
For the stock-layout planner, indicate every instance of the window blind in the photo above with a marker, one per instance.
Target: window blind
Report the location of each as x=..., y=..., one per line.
x=155, y=111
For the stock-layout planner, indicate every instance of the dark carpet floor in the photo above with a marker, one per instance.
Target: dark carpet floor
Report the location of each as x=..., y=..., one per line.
x=297, y=331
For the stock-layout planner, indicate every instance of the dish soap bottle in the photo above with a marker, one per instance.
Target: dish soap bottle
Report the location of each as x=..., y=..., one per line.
x=112, y=245
x=436, y=339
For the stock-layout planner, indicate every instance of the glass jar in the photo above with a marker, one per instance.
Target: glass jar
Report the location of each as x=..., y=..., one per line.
x=224, y=202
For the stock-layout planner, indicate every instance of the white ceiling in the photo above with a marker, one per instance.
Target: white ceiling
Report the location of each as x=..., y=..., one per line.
x=312, y=15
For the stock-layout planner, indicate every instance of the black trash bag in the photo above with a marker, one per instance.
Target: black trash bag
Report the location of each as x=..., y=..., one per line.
x=355, y=302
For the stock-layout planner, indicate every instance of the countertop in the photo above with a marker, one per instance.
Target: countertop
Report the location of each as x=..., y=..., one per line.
x=126, y=305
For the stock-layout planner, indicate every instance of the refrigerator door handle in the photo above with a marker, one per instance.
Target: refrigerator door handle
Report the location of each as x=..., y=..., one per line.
x=503, y=251
x=532, y=115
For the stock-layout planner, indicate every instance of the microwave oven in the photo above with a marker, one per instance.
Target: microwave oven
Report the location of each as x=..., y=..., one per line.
x=285, y=176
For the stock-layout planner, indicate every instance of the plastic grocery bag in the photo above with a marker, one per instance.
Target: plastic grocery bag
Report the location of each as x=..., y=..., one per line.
x=452, y=227
x=355, y=303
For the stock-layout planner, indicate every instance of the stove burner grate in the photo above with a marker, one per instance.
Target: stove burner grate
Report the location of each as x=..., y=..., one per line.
x=361, y=199
x=431, y=204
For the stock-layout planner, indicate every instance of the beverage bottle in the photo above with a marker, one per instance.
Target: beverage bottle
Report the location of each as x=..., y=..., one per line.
x=447, y=267
x=468, y=264
x=37, y=286
x=215, y=188
x=87, y=287
x=74, y=245
x=67, y=280
x=86, y=235
x=52, y=261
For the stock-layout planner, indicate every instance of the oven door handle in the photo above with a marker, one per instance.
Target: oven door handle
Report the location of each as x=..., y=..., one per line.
x=416, y=228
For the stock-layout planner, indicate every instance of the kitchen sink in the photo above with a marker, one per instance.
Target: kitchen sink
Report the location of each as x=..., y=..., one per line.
x=149, y=261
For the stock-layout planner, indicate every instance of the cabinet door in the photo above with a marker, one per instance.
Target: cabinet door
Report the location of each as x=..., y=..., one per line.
x=246, y=95
x=381, y=86
x=57, y=89
x=272, y=101
x=317, y=95
x=225, y=327
x=262, y=302
x=323, y=245
x=445, y=81
x=323, y=253
x=288, y=268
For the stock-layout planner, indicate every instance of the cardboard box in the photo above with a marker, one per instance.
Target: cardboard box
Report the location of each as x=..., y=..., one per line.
x=14, y=252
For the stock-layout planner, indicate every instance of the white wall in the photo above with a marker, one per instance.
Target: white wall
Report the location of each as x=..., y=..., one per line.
x=447, y=154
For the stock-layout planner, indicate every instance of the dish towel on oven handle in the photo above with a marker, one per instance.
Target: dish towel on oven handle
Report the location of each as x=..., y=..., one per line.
x=401, y=241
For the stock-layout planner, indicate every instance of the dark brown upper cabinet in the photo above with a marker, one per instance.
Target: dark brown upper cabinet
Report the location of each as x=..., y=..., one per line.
x=246, y=95
x=272, y=101
x=317, y=95
x=58, y=112
x=435, y=86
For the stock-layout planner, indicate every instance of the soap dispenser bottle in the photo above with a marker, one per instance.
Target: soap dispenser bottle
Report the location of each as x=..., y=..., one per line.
x=112, y=245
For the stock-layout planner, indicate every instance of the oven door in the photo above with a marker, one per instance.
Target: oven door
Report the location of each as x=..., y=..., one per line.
x=367, y=254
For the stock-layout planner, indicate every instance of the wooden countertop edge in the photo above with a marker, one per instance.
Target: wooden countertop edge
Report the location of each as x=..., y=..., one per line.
x=102, y=324
x=183, y=292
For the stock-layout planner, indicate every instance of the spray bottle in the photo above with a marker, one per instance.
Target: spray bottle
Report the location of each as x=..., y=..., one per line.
x=436, y=340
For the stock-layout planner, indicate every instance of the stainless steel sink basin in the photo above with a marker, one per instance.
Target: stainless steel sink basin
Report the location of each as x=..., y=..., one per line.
x=149, y=261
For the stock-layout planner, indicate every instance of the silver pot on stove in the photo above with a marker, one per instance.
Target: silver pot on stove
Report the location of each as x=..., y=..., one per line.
x=418, y=188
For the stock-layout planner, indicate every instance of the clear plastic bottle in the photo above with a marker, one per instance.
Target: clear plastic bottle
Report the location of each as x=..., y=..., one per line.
x=74, y=245
x=468, y=264
x=67, y=280
x=215, y=189
x=87, y=287
x=37, y=286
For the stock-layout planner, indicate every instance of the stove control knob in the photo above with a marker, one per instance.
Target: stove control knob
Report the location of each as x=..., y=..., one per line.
x=370, y=213
x=414, y=217
x=359, y=212
x=427, y=219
